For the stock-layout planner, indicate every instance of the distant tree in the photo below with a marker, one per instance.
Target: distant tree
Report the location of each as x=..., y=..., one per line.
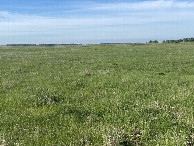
x=180, y=40
x=185, y=40
x=155, y=41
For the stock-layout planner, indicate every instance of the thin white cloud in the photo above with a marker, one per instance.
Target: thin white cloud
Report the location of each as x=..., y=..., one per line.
x=145, y=5
x=19, y=20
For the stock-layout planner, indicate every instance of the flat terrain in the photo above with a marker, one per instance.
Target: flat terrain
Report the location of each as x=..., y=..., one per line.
x=122, y=94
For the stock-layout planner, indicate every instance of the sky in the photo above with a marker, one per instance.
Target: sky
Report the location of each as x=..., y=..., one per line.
x=94, y=21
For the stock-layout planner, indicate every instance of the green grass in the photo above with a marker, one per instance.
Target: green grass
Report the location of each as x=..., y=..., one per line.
x=97, y=95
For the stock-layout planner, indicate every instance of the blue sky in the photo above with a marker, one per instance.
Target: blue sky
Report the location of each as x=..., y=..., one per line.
x=94, y=21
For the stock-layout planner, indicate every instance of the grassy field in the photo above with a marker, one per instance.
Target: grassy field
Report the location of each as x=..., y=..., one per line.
x=122, y=94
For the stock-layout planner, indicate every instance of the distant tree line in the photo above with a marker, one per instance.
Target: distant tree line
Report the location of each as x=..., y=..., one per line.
x=56, y=44
x=114, y=43
x=179, y=41
x=21, y=44
x=155, y=41
x=39, y=44
x=174, y=41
